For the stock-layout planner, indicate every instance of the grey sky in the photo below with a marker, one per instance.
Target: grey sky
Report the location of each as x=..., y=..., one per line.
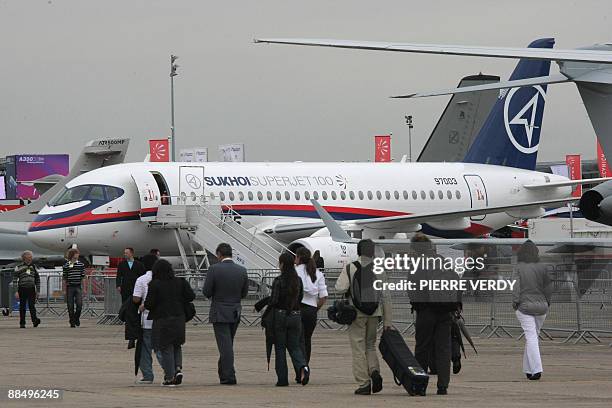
x=76, y=70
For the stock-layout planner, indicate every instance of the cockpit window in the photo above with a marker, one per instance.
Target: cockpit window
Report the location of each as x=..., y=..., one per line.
x=91, y=192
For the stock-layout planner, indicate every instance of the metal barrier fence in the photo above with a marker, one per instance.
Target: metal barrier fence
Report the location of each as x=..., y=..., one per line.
x=581, y=307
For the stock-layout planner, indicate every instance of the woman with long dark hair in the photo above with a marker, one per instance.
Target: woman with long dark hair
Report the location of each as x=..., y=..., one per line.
x=315, y=295
x=166, y=299
x=531, y=300
x=287, y=293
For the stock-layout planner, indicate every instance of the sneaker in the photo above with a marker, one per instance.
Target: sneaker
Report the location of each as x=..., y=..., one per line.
x=528, y=376
x=178, y=377
x=142, y=381
x=377, y=382
x=168, y=383
x=78, y=323
x=365, y=390
x=442, y=391
x=22, y=326
x=36, y=322
x=72, y=325
x=282, y=384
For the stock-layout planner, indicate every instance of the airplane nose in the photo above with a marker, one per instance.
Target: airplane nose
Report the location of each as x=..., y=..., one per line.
x=52, y=239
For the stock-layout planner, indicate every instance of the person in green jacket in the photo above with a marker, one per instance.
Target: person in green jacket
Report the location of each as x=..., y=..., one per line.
x=27, y=280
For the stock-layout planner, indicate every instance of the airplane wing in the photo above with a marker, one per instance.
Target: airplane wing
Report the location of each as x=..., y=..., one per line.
x=550, y=79
x=537, y=186
x=395, y=221
x=580, y=55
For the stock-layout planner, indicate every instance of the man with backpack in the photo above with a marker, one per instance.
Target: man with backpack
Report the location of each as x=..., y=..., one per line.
x=357, y=280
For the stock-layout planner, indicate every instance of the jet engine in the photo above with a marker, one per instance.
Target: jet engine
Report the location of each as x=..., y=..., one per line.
x=596, y=204
x=335, y=254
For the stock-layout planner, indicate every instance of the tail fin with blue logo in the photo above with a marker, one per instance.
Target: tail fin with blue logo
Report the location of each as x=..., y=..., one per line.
x=511, y=134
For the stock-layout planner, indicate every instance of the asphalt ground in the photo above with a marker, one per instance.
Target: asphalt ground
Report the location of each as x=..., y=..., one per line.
x=93, y=368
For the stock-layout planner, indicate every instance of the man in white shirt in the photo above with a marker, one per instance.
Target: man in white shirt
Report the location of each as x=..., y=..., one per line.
x=140, y=294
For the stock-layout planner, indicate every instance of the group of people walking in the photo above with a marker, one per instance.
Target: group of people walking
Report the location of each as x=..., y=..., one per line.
x=161, y=303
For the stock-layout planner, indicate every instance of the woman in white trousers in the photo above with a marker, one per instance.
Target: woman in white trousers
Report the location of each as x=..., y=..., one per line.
x=531, y=299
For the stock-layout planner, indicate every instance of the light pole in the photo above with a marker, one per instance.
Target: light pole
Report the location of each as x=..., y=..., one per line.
x=173, y=73
x=410, y=126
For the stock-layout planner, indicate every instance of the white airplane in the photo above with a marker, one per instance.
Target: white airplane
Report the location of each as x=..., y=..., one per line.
x=108, y=209
x=14, y=224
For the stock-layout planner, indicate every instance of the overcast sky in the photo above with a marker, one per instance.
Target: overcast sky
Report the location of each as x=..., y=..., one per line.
x=76, y=70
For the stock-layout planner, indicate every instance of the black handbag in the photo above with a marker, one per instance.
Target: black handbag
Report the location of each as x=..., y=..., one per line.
x=342, y=312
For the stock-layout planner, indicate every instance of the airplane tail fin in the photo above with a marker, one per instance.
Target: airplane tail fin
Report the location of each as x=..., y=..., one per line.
x=460, y=122
x=511, y=134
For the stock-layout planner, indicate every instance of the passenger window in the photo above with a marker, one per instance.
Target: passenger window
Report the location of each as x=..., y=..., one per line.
x=333, y=195
x=231, y=196
x=406, y=196
x=414, y=195
x=279, y=196
x=440, y=194
x=259, y=196
x=315, y=195
x=396, y=194
x=307, y=195
x=343, y=195
x=287, y=196
x=423, y=195
x=241, y=195
x=378, y=195
x=297, y=195
x=432, y=195
x=269, y=195
x=212, y=195
x=458, y=194
x=370, y=195
x=221, y=196
x=352, y=194
x=250, y=196
x=449, y=194
x=387, y=195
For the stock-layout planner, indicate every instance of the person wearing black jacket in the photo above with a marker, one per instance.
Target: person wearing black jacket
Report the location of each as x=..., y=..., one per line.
x=27, y=281
x=286, y=297
x=166, y=299
x=128, y=271
x=434, y=314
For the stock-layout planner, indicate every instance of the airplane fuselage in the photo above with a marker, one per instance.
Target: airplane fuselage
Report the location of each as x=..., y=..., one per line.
x=106, y=209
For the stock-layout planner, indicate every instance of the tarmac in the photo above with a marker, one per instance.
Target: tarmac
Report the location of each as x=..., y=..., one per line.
x=94, y=369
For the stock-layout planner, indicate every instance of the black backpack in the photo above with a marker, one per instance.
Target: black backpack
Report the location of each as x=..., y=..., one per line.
x=365, y=298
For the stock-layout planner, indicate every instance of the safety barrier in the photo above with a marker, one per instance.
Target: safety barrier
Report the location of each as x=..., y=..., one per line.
x=581, y=307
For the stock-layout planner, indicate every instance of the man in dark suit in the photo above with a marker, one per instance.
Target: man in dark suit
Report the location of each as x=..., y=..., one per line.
x=128, y=271
x=226, y=284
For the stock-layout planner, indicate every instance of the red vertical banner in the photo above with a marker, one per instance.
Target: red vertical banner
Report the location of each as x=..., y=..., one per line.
x=602, y=162
x=382, y=145
x=159, y=150
x=574, y=168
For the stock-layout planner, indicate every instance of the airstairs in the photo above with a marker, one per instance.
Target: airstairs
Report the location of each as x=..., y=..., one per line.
x=208, y=224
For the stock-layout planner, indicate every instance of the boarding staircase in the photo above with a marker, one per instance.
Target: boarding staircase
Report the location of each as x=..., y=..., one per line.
x=209, y=224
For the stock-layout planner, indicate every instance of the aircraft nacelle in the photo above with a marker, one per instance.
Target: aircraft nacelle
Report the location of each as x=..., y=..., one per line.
x=596, y=204
x=335, y=254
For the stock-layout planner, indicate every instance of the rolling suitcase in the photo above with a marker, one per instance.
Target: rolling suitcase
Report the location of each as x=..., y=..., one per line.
x=405, y=367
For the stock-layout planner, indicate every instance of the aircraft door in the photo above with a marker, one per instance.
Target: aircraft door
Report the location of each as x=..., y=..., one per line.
x=478, y=194
x=191, y=184
x=149, y=194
